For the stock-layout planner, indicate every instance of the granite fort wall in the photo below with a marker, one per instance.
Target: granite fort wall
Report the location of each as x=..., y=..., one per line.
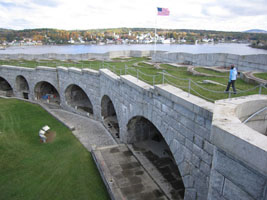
x=184, y=121
x=243, y=62
x=86, y=56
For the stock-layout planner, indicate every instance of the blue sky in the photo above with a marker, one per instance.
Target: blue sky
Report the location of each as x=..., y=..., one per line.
x=225, y=15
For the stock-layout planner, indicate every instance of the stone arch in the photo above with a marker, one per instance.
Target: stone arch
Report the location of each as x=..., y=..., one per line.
x=109, y=116
x=76, y=97
x=5, y=88
x=45, y=91
x=149, y=141
x=22, y=87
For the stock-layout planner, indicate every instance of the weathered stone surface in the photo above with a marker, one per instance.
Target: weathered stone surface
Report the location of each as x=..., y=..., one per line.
x=200, y=120
x=216, y=181
x=198, y=141
x=185, y=168
x=202, y=188
x=240, y=175
x=208, y=147
x=196, y=160
x=205, y=168
x=231, y=191
x=189, y=144
x=201, y=154
x=188, y=181
x=214, y=195
x=190, y=194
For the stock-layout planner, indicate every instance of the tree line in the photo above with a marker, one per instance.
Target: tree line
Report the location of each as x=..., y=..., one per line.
x=56, y=36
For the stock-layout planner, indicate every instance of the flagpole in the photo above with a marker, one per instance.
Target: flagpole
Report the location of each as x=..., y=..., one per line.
x=155, y=41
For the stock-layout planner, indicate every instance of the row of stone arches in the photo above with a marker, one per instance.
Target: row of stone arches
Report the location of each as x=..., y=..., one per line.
x=75, y=97
x=141, y=132
x=22, y=87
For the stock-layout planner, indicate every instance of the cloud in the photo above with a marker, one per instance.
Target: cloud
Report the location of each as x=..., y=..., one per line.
x=13, y=5
x=7, y=4
x=20, y=23
x=49, y=3
x=239, y=8
x=65, y=14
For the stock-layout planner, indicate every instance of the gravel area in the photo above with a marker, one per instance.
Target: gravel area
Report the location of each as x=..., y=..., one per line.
x=88, y=131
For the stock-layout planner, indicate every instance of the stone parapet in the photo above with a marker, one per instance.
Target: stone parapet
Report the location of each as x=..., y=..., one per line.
x=240, y=159
x=243, y=62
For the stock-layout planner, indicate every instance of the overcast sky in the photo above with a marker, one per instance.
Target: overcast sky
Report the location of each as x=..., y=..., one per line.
x=225, y=15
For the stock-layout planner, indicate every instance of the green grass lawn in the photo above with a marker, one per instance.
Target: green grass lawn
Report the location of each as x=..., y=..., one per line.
x=177, y=76
x=211, y=72
x=62, y=169
x=261, y=75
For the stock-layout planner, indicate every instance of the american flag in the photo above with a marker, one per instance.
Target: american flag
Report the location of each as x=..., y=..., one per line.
x=163, y=12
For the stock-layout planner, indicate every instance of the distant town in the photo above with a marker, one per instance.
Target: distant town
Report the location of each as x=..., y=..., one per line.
x=28, y=37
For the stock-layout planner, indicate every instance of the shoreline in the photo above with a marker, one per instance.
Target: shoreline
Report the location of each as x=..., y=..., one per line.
x=201, y=48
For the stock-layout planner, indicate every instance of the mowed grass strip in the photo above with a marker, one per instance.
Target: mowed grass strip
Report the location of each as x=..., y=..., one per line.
x=30, y=170
x=261, y=75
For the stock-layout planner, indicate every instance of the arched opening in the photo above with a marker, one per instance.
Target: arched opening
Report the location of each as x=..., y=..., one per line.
x=149, y=143
x=109, y=117
x=77, y=98
x=5, y=88
x=22, y=87
x=46, y=92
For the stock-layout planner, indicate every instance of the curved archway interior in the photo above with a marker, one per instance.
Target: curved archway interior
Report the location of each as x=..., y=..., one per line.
x=110, y=117
x=148, y=141
x=46, y=92
x=5, y=88
x=77, y=98
x=22, y=87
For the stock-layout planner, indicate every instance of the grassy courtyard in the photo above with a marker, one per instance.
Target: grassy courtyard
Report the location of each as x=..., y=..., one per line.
x=30, y=170
x=164, y=73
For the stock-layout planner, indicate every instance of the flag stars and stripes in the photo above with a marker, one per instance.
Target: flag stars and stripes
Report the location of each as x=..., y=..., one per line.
x=163, y=12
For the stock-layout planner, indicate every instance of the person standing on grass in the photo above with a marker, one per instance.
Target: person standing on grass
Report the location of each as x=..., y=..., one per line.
x=232, y=79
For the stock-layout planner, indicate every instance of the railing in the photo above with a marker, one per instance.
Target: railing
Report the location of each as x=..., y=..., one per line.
x=254, y=114
x=162, y=77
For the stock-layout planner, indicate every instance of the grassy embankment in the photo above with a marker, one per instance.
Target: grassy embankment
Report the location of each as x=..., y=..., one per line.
x=62, y=169
x=177, y=74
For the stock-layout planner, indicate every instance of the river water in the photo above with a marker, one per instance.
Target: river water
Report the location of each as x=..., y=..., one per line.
x=232, y=48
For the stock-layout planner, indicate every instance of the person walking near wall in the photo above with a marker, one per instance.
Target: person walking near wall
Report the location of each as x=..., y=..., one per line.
x=232, y=79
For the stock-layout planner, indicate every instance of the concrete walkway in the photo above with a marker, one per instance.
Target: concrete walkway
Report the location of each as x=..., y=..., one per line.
x=88, y=131
x=124, y=176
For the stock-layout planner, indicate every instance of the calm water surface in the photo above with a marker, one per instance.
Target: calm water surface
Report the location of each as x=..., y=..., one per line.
x=240, y=49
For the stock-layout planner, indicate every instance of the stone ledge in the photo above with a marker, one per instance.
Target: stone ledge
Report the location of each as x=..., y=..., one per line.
x=109, y=74
x=90, y=71
x=75, y=70
x=236, y=138
x=44, y=68
x=135, y=83
x=180, y=97
x=61, y=68
x=16, y=68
